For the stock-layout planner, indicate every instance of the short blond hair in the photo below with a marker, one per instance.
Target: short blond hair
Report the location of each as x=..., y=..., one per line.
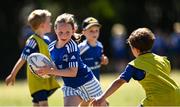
x=37, y=17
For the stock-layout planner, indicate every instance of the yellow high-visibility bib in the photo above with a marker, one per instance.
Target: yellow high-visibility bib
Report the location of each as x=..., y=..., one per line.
x=36, y=83
x=160, y=89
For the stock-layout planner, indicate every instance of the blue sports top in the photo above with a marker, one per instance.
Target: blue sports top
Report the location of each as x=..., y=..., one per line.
x=32, y=46
x=91, y=56
x=67, y=57
x=175, y=41
x=132, y=72
x=49, y=37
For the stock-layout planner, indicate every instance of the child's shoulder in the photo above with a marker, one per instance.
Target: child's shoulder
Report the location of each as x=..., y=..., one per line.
x=30, y=37
x=33, y=37
x=71, y=46
x=31, y=40
x=83, y=43
x=51, y=45
x=99, y=44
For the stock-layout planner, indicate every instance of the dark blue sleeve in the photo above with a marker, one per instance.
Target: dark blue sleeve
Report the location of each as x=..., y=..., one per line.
x=48, y=38
x=30, y=47
x=132, y=72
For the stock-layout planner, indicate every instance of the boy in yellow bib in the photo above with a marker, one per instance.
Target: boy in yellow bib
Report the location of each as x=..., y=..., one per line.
x=151, y=70
x=40, y=88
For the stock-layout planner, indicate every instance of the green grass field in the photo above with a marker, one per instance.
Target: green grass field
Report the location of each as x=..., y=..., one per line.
x=128, y=95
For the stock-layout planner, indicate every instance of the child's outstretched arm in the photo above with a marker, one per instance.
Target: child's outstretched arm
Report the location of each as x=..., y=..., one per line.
x=112, y=88
x=12, y=77
x=69, y=72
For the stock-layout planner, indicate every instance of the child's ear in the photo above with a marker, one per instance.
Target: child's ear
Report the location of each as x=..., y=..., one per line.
x=138, y=52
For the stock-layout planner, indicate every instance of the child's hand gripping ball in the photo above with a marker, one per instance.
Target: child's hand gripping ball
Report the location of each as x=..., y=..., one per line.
x=38, y=60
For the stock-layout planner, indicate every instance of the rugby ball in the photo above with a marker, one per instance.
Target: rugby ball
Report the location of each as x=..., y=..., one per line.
x=38, y=60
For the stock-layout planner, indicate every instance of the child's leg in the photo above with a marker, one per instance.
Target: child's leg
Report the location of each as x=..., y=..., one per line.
x=45, y=94
x=43, y=103
x=105, y=104
x=84, y=104
x=35, y=104
x=72, y=101
x=40, y=98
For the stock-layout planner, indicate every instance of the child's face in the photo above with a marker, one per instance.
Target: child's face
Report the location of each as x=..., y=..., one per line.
x=64, y=31
x=92, y=33
x=47, y=25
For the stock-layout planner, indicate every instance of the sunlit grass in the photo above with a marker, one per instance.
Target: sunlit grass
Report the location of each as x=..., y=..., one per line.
x=129, y=94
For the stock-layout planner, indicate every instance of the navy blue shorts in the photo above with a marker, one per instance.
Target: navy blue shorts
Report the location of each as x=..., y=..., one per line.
x=42, y=95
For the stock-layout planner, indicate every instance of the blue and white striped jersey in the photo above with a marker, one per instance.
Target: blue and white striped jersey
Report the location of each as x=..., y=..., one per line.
x=67, y=57
x=91, y=56
x=32, y=46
